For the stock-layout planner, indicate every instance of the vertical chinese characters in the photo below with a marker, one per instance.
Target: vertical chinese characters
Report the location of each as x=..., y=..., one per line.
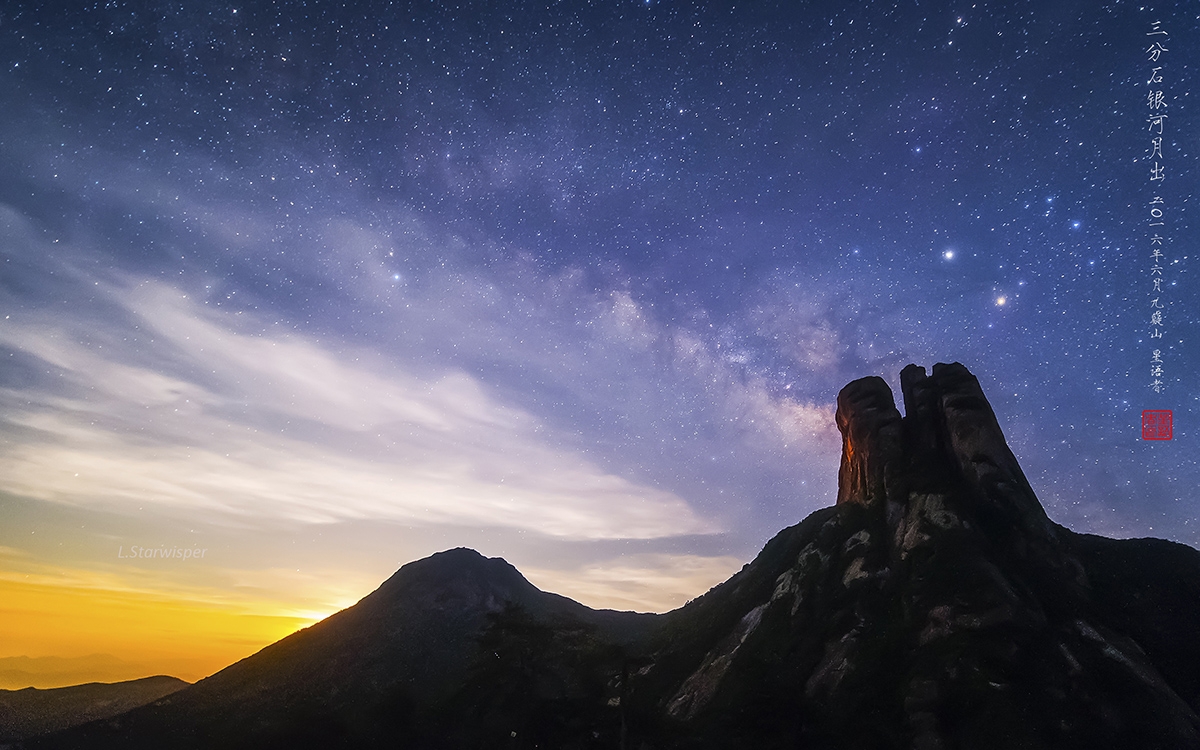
x=1156, y=101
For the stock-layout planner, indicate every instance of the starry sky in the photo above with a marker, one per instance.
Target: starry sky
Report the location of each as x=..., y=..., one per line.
x=322, y=288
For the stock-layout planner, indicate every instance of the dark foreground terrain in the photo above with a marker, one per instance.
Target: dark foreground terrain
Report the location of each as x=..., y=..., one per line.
x=934, y=606
x=30, y=712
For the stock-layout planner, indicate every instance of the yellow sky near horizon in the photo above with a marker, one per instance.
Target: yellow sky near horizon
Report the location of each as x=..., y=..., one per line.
x=71, y=589
x=147, y=625
x=145, y=632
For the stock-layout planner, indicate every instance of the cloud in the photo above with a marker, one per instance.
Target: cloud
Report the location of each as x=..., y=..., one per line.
x=219, y=419
x=642, y=583
x=10, y=554
x=503, y=395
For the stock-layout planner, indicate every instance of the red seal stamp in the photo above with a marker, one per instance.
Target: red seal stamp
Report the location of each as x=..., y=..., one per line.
x=1156, y=424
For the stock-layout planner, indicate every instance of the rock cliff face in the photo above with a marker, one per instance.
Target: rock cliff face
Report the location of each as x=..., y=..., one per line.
x=935, y=606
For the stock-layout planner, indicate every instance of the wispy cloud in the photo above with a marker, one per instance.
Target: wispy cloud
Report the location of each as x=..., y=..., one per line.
x=418, y=393
x=642, y=583
x=278, y=425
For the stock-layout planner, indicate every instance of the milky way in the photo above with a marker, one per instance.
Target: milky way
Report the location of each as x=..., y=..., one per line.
x=329, y=287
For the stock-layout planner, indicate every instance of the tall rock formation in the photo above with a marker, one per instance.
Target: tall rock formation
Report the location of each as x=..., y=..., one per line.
x=934, y=607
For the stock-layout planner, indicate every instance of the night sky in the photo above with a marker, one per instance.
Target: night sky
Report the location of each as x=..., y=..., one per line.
x=324, y=288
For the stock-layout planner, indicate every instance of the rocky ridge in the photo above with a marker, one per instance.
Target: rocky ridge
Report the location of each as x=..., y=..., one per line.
x=937, y=606
x=934, y=606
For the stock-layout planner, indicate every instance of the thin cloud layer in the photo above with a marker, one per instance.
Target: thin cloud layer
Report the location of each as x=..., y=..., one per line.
x=641, y=583
x=353, y=443
x=513, y=399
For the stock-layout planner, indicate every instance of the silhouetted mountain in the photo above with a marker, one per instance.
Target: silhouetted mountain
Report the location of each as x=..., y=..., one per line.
x=934, y=606
x=30, y=711
x=385, y=667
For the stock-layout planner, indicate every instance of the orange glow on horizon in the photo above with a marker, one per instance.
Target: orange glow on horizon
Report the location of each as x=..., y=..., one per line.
x=152, y=634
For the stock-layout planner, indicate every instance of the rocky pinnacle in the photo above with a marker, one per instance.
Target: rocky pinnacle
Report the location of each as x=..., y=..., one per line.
x=948, y=442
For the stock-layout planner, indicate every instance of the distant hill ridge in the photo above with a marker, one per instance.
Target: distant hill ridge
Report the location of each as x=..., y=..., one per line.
x=935, y=606
x=30, y=712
